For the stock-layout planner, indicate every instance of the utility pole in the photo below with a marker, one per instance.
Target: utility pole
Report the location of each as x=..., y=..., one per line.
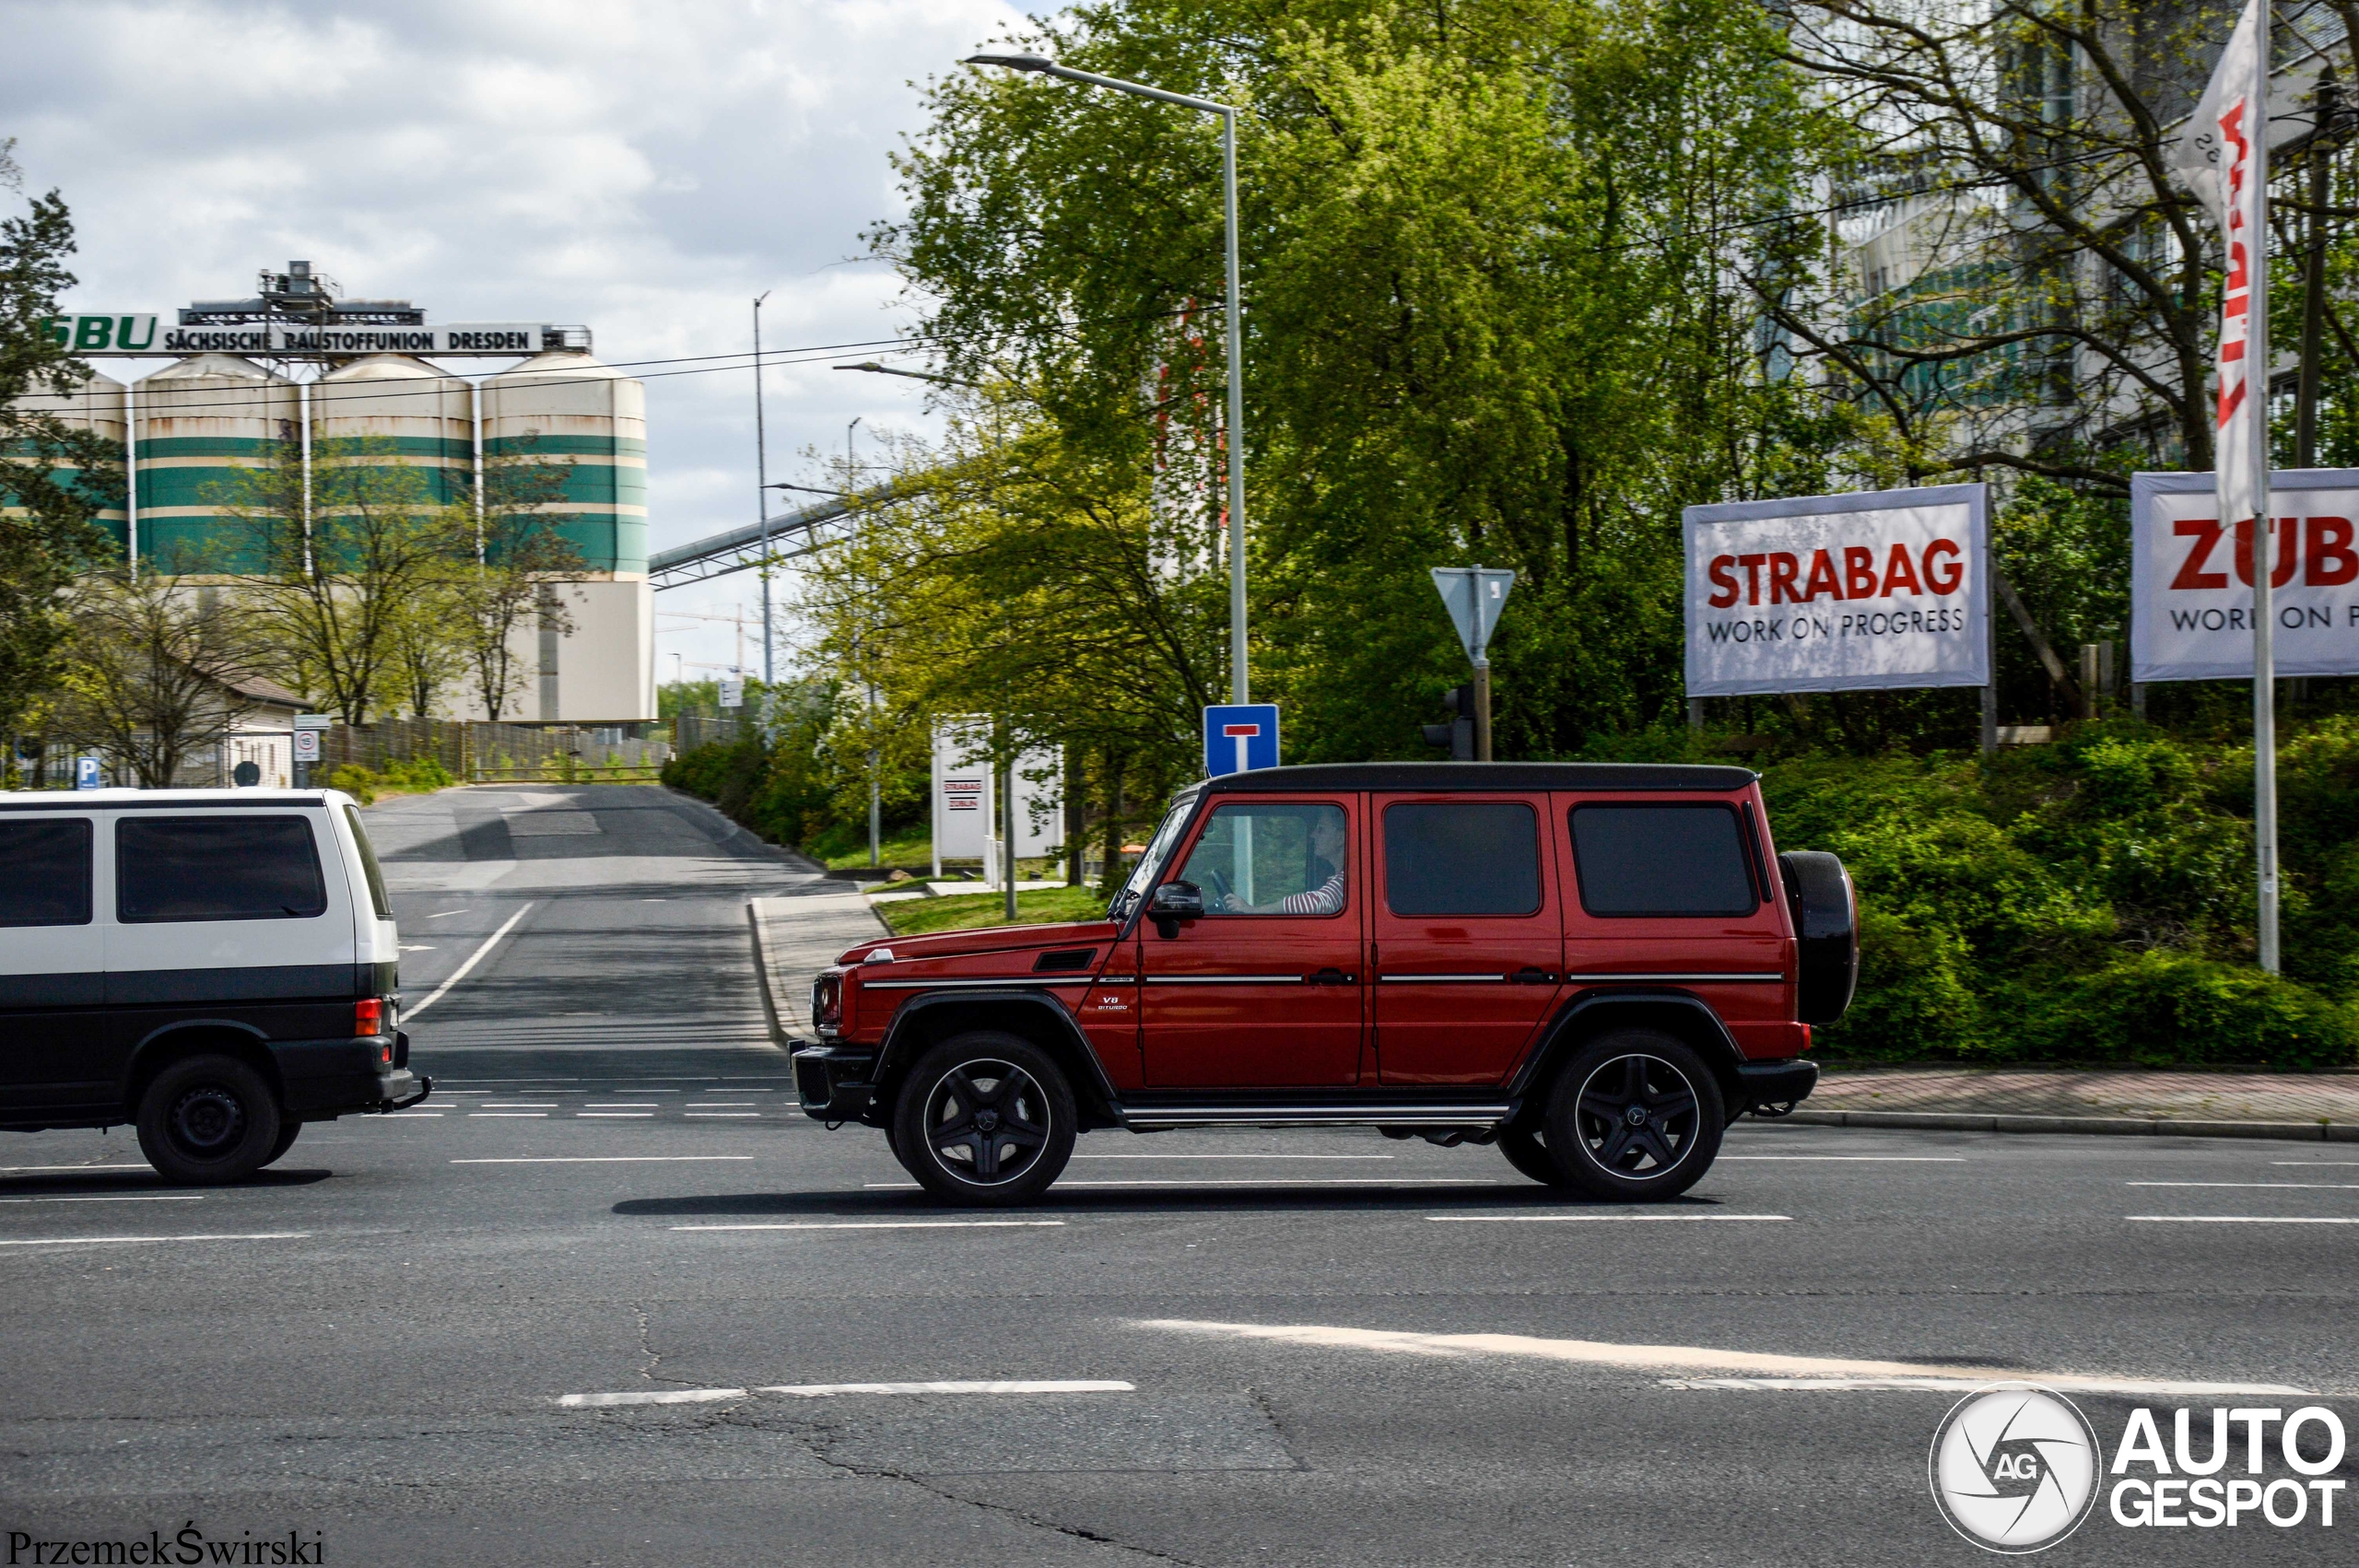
x=762, y=495
x=876, y=785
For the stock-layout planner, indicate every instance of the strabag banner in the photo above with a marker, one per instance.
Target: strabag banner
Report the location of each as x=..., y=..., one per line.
x=1866, y=592
x=2191, y=577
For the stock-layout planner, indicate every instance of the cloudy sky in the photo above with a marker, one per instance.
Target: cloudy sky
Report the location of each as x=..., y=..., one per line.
x=644, y=168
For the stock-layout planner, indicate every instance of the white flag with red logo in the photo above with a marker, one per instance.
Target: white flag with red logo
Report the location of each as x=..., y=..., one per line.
x=2220, y=155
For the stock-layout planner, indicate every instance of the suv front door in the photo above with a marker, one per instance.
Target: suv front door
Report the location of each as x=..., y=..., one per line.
x=1466, y=939
x=1264, y=989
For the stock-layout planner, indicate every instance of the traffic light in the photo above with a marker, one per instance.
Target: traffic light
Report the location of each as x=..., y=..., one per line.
x=1458, y=733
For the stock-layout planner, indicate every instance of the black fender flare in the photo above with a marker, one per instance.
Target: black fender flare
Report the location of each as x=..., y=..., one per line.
x=917, y=1024
x=158, y=1047
x=1686, y=1015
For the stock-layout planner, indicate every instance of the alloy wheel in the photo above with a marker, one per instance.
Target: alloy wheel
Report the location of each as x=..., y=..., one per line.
x=987, y=1122
x=1638, y=1116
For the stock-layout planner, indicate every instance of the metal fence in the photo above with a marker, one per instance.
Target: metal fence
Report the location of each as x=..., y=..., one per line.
x=485, y=753
x=700, y=730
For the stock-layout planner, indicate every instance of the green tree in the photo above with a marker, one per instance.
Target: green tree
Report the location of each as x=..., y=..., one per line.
x=154, y=671
x=519, y=558
x=51, y=476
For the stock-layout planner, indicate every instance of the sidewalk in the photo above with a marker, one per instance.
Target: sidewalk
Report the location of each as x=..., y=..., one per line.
x=2310, y=1107
x=797, y=936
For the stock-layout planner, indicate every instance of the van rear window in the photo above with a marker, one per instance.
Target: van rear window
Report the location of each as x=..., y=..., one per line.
x=1661, y=859
x=216, y=867
x=45, y=872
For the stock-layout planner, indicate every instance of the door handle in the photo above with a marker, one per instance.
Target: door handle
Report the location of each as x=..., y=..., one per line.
x=1330, y=976
x=1528, y=976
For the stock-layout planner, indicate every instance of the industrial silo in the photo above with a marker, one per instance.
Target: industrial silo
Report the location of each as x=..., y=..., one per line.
x=389, y=409
x=565, y=408
x=94, y=404
x=219, y=443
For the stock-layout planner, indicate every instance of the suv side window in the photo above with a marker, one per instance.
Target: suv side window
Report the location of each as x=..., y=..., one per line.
x=1271, y=858
x=1666, y=859
x=45, y=872
x=219, y=866
x=1461, y=857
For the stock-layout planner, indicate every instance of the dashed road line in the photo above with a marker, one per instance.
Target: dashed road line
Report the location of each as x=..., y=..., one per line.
x=1557, y=1219
x=2285, y=1186
x=118, y=1198
x=463, y=970
x=600, y=1159
x=832, y=1390
x=1854, y=1159
x=882, y=1226
x=116, y=1241
x=2241, y=1220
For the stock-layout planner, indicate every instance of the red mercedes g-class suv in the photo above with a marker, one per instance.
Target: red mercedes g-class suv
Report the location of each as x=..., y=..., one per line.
x=1596, y=966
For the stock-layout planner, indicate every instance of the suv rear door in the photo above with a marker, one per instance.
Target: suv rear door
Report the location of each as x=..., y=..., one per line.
x=1264, y=989
x=1466, y=941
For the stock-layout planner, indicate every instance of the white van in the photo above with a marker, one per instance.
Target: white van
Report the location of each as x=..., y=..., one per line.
x=215, y=966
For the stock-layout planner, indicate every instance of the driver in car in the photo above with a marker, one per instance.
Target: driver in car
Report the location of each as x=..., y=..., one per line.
x=1323, y=873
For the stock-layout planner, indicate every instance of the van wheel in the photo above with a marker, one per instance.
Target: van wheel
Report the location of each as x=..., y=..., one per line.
x=208, y=1120
x=1635, y=1114
x=1526, y=1152
x=284, y=1142
x=985, y=1119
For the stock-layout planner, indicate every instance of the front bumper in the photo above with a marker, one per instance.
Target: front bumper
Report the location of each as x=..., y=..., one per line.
x=834, y=1083
x=1773, y=1088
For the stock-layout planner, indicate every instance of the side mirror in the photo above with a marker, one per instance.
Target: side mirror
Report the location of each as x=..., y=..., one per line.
x=1172, y=903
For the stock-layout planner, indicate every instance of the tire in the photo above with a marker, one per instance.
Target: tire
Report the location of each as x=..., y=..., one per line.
x=1527, y=1153
x=1635, y=1115
x=285, y=1141
x=985, y=1120
x=208, y=1119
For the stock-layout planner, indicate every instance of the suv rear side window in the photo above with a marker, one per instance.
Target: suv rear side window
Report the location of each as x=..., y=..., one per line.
x=216, y=867
x=1661, y=859
x=45, y=872
x=1461, y=857
x=369, y=866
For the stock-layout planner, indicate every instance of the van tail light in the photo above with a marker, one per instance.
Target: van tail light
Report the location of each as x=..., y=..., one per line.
x=1805, y=1040
x=369, y=1016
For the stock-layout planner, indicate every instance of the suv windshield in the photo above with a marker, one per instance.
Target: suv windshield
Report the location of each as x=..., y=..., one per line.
x=1158, y=849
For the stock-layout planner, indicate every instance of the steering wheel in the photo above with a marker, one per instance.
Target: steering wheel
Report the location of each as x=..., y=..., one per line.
x=1219, y=889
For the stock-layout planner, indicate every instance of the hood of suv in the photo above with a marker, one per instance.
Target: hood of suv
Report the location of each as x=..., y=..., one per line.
x=988, y=941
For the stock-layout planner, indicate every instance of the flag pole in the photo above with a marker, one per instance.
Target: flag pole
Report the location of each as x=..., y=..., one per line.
x=2264, y=545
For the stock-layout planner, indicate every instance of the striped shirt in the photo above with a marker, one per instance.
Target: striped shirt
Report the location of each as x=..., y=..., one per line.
x=1327, y=899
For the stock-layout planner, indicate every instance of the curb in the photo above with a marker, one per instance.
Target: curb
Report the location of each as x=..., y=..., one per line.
x=764, y=969
x=2154, y=1127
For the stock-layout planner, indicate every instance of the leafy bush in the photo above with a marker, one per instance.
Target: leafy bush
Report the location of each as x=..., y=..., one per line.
x=356, y=781
x=418, y=773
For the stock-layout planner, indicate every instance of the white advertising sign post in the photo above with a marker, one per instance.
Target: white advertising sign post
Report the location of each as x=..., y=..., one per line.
x=2191, y=577
x=970, y=801
x=1867, y=593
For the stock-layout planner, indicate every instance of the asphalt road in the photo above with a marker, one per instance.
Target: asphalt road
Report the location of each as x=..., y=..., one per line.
x=611, y=1195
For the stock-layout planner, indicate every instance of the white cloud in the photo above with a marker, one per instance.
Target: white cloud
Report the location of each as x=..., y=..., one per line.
x=644, y=168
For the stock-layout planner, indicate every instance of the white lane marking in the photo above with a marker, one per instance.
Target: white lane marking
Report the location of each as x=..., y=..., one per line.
x=720, y=1115
x=463, y=970
x=1962, y=1385
x=142, y=1166
x=881, y=1226
x=442, y=914
x=125, y=1197
x=519, y=1116
x=600, y=1159
x=1677, y=1358
x=1002, y=1386
x=520, y=1105
x=426, y=1115
x=1235, y=1156
x=1857, y=1159
x=1552, y=1219
x=1182, y=1183
x=423, y=947
x=2313, y=1162
x=620, y=1106
x=649, y=1397
x=2240, y=1220
x=616, y=1116
x=109, y=1241
x=2289, y=1185
x=721, y=1104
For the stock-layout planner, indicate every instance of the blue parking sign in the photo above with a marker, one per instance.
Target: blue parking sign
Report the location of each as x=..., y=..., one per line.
x=86, y=775
x=1240, y=737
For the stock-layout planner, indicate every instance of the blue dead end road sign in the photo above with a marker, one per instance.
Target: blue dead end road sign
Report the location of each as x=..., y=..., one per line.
x=1240, y=737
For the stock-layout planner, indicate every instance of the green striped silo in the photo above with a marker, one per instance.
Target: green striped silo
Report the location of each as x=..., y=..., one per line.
x=199, y=422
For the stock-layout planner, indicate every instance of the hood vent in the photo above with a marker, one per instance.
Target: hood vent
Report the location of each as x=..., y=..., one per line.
x=1064, y=961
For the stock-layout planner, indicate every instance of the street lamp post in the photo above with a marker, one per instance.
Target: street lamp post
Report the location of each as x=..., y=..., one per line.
x=1239, y=689
x=762, y=494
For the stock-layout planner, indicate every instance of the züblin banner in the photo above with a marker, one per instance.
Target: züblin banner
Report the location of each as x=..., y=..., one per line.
x=2191, y=577
x=138, y=335
x=1820, y=593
